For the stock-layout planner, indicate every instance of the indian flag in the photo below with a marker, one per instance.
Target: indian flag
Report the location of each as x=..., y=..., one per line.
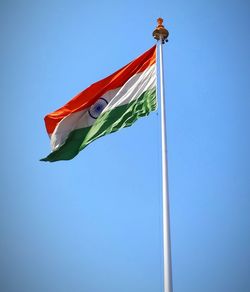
x=106, y=106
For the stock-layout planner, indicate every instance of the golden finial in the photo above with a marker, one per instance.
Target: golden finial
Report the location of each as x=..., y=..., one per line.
x=160, y=33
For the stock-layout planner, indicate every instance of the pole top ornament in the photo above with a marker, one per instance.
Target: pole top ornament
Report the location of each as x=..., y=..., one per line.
x=160, y=32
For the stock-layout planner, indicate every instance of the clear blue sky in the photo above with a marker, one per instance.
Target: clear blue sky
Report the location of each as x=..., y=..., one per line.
x=93, y=224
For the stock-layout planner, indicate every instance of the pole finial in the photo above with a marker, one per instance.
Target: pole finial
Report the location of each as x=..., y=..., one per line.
x=160, y=32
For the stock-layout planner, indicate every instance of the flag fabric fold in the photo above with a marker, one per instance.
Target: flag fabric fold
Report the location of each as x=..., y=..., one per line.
x=106, y=106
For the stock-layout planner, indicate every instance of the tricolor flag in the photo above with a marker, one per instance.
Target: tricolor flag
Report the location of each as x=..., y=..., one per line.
x=106, y=106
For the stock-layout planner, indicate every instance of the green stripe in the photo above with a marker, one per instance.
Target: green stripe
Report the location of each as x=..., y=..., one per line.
x=108, y=122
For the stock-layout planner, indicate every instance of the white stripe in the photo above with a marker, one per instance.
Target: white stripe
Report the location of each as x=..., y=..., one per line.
x=131, y=90
x=134, y=88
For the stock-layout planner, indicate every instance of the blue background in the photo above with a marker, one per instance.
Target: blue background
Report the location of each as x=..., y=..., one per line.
x=94, y=223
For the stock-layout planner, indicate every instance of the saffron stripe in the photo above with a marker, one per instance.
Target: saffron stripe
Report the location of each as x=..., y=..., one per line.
x=91, y=94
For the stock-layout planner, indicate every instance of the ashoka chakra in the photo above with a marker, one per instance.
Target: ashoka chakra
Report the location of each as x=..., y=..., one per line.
x=97, y=108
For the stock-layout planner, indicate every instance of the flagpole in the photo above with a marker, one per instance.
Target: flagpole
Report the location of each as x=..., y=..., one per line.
x=161, y=35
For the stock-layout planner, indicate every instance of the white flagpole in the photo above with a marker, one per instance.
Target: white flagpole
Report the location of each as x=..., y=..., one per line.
x=161, y=34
